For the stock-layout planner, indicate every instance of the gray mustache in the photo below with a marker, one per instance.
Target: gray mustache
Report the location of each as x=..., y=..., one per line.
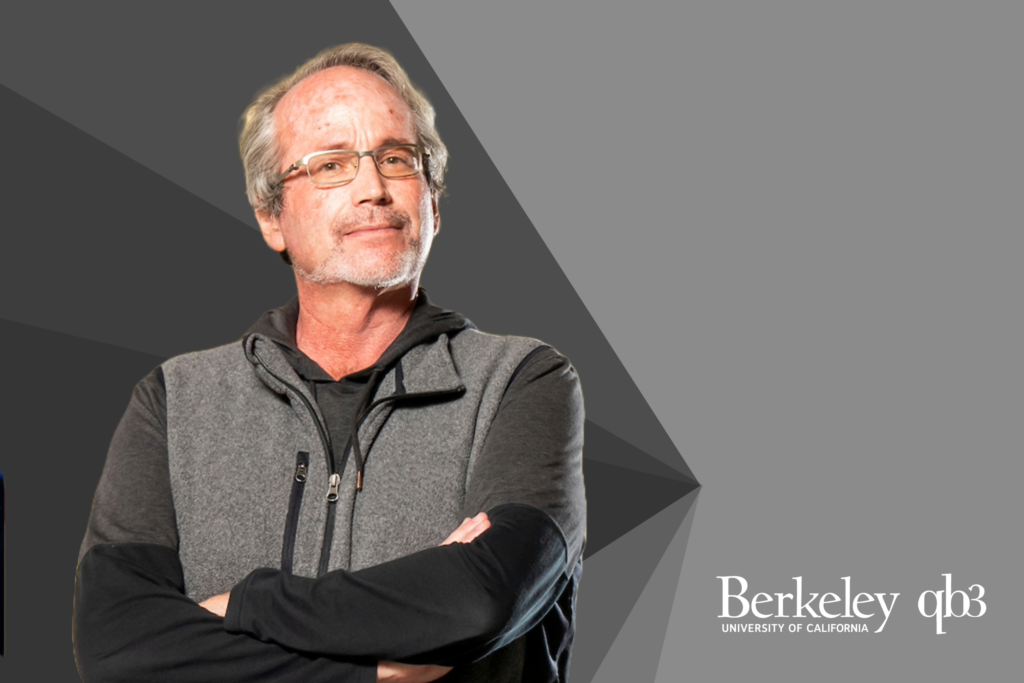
x=390, y=217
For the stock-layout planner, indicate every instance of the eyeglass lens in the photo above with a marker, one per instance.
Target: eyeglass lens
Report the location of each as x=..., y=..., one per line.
x=332, y=168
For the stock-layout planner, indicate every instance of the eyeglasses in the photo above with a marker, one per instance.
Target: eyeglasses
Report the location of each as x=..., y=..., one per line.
x=339, y=166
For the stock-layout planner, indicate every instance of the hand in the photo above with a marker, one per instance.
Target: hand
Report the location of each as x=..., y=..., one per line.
x=393, y=672
x=218, y=604
x=470, y=528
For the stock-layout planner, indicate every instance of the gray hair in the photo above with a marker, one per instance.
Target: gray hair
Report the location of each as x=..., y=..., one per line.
x=257, y=142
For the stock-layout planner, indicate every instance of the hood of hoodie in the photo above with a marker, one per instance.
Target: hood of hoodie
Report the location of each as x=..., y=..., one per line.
x=426, y=324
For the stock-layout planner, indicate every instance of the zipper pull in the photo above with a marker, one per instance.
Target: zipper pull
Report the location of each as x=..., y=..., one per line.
x=334, y=483
x=301, y=473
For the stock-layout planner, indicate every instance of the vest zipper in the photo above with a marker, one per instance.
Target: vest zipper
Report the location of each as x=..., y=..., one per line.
x=332, y=488
x=291, y=523
x=325, y=440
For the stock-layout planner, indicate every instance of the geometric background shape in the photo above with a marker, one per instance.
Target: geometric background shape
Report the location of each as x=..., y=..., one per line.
x=147, y=267
x=145, y=252
x=2, y=612
x=618, y=499
x=605, y=447
x=646, y=560
x=63, y=396
x=642, y=638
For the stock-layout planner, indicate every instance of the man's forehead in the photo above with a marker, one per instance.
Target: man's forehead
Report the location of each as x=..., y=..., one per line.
x=341, y=85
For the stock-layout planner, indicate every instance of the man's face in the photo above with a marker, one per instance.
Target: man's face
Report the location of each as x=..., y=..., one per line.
x=374, y=231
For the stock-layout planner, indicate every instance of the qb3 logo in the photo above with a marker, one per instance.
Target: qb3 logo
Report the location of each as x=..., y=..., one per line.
x=945, y=597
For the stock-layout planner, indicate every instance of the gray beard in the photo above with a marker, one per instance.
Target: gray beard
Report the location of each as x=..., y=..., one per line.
x=341, y=268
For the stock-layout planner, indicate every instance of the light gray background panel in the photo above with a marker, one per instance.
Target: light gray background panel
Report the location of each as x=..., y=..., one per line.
x=799, y=229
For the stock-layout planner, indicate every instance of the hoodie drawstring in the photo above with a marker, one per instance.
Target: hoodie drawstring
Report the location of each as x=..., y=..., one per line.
x=358, y=416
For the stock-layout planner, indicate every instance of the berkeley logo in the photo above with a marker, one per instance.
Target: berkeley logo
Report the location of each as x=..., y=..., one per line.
x=850, y=607
x=735, y=605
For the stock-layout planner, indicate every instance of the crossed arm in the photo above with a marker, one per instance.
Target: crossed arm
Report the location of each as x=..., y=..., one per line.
x=439, y=606
x=391, y=672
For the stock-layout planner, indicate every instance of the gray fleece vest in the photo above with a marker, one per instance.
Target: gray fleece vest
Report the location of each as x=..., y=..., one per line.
x=237, y=418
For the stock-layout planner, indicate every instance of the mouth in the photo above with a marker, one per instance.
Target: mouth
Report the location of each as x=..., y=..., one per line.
x=382, y=222
x=369, y=230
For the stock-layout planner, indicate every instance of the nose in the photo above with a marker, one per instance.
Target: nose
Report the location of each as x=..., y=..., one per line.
x=368, y=187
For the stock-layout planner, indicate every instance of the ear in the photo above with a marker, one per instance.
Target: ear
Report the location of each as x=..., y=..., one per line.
x=270, y=227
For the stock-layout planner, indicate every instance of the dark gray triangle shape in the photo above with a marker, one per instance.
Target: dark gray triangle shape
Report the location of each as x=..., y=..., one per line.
x=603, y=446
x=121, y=255
x=166, y=85
x=64, y=395
x=186, y=132
x=612, y=582
x=636, y=654
x=619, y=499
x=3, y=623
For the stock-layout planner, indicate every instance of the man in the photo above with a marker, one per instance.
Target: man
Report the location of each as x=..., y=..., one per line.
x=282, y=508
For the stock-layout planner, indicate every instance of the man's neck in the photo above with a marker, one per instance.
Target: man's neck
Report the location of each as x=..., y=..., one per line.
x=345, y=328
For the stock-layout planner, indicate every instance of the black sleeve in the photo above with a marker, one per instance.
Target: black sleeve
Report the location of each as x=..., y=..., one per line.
x=134, y=623
x=456, y=603
x=132, y=619
x=444, y=605
x=133, y=501
x=534, y=449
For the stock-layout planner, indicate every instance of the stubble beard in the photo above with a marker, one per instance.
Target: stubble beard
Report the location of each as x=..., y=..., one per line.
x=376, y=272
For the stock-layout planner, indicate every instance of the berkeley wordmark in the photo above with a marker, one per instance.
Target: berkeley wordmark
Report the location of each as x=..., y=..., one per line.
x=827, y=606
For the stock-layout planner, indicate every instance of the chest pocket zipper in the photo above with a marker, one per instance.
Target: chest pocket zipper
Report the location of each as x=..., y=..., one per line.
x=291, y=523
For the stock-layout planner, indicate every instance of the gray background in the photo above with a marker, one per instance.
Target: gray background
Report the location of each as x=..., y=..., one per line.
x=818, y=295
x=815, y=297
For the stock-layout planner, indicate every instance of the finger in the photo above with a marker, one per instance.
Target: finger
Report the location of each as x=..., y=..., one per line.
x=480, y=525
x=459, y=534
x=474, y=529
x=470, y=528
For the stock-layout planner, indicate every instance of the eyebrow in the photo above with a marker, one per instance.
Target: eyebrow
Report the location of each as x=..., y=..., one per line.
x=385, y=143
